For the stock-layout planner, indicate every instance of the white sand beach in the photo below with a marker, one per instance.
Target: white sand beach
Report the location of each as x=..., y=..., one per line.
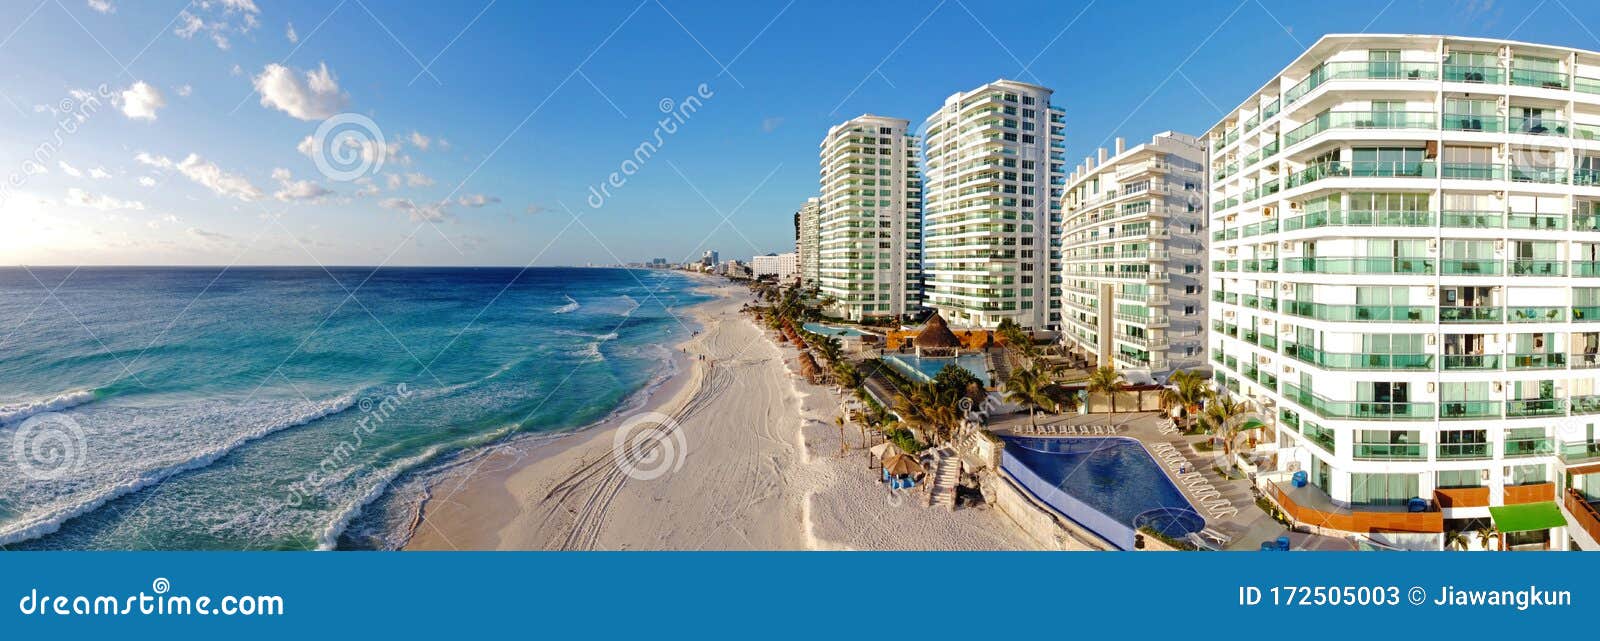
x=760, y=469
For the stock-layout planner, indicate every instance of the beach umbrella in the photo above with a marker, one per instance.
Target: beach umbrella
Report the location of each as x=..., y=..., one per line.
x=902, y=464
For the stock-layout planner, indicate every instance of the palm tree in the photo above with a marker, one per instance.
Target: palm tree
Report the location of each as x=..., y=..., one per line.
x=1485, y=533
x=1455, y=539
x=1106, y=380
x=1027, y=387
x=843, y=447
x=1219, y=414
x=846, y=375
x=1187, y=389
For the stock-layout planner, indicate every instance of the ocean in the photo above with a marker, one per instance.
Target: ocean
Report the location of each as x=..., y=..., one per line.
x=297, y=408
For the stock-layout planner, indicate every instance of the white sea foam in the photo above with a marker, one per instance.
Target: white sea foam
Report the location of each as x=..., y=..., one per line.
x=15, y=412
x=568, y=308
x=330, y=534
x=35, y=526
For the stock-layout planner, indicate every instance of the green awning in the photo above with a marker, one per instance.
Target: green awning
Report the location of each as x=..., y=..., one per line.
x=1527, y=517
x=1251, y=424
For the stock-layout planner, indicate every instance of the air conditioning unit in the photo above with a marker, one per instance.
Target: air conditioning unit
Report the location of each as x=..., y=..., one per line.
x=1266, y=212
x=1262, y=360
x=1288, y=369
x=1285, y=245
x=1286, y=288
x=1294, y=206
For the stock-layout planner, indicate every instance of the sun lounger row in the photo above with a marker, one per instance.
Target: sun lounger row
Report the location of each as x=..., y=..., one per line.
x=1070, y=430
x=1167, y=427
x=1203, y=492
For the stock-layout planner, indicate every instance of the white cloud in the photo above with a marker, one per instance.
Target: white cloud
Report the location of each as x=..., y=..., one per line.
x=420, y=141
x=477, y=200
x=102, y=6
x=432, y=213
x=99, y=173
x=236, y=70
x=226, y=17
x=210, y=237
x=156, y=224
x=393, y=181
x=535, y=209
x=368, y=188
x=222, y=41
x=288, y=32
x=190, y=24
x=418, y=180
x=769, y=125
x=141, y=101
x=81, y=198
x=206, y=174
x=314, y=98
x=147, y=181
x=185, y=90
x=297, y=189
x=69, y=169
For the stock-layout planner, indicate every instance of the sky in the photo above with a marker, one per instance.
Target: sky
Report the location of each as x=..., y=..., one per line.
x=486, y=132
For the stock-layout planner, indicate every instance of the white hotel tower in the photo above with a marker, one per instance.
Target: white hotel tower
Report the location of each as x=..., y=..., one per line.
x=869, y=235
x=994, y=179
x=1405, y=277
x=1134, y=256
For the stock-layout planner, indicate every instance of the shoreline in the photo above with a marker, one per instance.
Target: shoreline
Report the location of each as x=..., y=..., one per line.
x=753, y=462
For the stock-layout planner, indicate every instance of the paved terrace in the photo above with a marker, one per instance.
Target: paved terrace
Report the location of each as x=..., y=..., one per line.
x=1246, y=525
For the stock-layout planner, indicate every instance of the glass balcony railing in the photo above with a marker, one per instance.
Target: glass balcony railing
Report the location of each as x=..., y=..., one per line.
x=1473, y=219
x=1468, y=410
x=1585, y=404
x=1360, y=219
x=1349, y=361
x=1459, y=451
x=1536, y=407
x=1476, y=314
x=1536, y=361
x=1357, y=265
x=1537, y=267
x=1537, y=78
x=1390, y=452
x=1536, y=126
x=1471, y=171
x=1536, y=314
x=1474, y=74
x=1359, y=313
x=1391, y=169
x=1579, y=451
x=1470, y=267
x=1520, y=447
x=1471, y=361
x=1473, y=122
x=1532, y=174
x=1359, y=410
x=1585, y=314
x=1586, y=268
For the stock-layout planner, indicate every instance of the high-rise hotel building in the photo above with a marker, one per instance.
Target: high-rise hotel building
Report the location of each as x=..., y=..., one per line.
x=869, y=239
x=807, y=228
x=1405, y=277
x=994, y=158
x=1133, y=259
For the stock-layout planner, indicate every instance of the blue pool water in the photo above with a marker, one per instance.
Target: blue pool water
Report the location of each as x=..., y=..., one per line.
x=927, y=368
x=1114, y=477
x=829, y=330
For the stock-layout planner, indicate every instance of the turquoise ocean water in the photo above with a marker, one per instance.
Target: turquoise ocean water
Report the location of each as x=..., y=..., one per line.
x=268, y=408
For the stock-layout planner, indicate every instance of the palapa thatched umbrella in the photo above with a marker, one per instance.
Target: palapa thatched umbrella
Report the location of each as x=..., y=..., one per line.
x=936, y=338
x=808, y=366
x=902, y=464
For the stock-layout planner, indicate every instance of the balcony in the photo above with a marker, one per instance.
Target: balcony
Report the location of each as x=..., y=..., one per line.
x=1535, y=78
x=1474, y=74
x=1390, y=452
x=1463, y=451
x=1361, y=313
x=1468, y=410
x=1583, y=511
x=1472, y=219
x=1549, y=222
x=1359, y=361
x=1460, y=497
x=1311, y=506
x=1524, y=447
x=1478, y=314
x=1536, y=314
x=1346, y=265
x=1536, y=407
x=1469, y=267
x=1359, y=410
x=1471, y=361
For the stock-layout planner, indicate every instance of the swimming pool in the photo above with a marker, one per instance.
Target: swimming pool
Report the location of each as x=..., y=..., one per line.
x=1109, y=485
x=829, y=330
x=926, y=368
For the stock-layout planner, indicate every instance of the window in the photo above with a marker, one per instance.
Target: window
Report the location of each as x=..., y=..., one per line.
x=1383, y=489
x=1387, y=161
x=1449, y=479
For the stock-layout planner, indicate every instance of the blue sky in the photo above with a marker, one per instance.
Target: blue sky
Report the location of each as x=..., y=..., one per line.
x=498, y=117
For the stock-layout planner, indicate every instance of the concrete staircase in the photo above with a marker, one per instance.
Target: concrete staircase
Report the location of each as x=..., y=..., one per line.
x=946, y=477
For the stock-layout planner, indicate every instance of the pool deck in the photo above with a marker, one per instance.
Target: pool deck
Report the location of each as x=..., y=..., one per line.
x=1247, y=529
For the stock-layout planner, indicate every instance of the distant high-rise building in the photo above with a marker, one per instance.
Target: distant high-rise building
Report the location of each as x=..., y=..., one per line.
x=869, y=246
x=994, y=173
x=710, y=258
x=808, y=221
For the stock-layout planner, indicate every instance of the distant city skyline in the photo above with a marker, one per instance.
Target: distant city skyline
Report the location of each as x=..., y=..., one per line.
x=139, y=136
